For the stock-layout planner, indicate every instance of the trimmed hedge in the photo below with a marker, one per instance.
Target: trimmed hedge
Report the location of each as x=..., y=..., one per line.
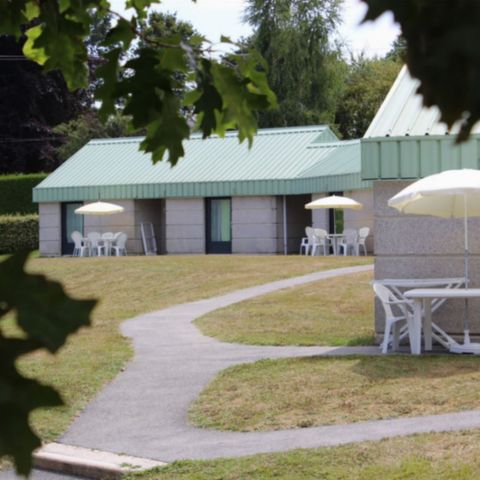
x=18, y=232
x=16, y=193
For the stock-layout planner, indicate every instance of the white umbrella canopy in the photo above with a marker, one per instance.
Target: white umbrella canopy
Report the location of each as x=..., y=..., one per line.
x=334, y=201
x=449, y=194
x=452, y=193
x=99, y=208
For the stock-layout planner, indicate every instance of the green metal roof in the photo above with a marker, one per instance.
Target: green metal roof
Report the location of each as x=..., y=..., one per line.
x=403, y=113
x=407, y=140
x=390, y=158
x=282, y=161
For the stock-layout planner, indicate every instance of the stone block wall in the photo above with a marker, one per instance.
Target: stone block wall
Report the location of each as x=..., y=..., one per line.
x=50, y=229
x=254, y=225
x=185, y=225
x=408, y=246
x=361, y=218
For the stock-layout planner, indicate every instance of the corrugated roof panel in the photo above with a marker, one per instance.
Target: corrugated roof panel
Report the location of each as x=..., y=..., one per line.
x=115, y=168
x=403, y=113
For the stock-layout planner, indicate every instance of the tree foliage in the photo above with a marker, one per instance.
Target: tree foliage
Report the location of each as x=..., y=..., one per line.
x=79, y=131
x=293, y=37
x=31, y=103
x=146, y=84
x=367, y=83
x=442, y=52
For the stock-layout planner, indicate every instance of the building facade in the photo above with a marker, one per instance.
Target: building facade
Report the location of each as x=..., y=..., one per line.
x=406, y=142
x=221, y=198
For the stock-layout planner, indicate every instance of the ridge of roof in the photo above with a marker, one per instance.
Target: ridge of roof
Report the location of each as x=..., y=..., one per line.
x=229, y=134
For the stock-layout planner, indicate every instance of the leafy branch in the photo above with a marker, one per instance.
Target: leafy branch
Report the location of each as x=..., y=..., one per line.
x=147, y=84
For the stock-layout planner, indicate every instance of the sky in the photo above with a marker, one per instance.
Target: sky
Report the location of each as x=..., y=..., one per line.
x=213, y=18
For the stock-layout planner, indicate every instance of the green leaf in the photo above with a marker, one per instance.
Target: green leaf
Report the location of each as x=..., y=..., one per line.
x=140, y=6
x=210, y=101
x=108, y=73
x=19, y=396
x=46, y=316
x=191, y=97
x=36, y=54
x=167, y=133
x=32, y=10
x=124, y=32
x=224, y=39
x=13, y=16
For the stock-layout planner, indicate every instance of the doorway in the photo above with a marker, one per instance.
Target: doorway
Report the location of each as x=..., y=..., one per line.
x=70, y=222
x=219, y=225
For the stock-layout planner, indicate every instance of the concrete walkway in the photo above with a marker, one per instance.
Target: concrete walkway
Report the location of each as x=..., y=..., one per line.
x=143, y=412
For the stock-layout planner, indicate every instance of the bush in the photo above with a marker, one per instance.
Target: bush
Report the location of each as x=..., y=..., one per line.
x=18, y=232
x=16, y=193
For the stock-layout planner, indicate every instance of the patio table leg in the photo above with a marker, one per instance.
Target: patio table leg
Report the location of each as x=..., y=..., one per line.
x=427, y=324
x=415, y=327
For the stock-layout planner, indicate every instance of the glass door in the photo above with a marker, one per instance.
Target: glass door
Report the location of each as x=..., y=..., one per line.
x=219, y=225
x=70, y=222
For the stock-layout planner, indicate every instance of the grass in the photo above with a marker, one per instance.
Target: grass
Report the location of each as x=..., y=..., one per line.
x=440, y=456
x=336, y=312
x=305, y=392
x=127, y=287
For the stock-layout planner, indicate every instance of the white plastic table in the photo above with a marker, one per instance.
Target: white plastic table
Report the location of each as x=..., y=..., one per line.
x=335, y=237
x=422, y=298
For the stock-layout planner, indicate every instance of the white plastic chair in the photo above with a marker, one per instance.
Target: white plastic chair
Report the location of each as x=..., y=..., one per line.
x=119, y=247
x=361, y=242
x=392, y=322
x=349, y=241
x=107, y=239
x=93, y=240
x=320, y=240
x=80, y=249
x=305, y=244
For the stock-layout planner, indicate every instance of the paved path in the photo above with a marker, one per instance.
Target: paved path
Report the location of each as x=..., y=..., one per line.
x=143, y=412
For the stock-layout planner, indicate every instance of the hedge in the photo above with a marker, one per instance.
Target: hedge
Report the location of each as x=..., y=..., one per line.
x=16, y=193
x=18, y=232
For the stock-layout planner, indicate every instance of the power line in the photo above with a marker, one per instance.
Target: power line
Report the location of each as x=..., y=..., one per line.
x=29, y=140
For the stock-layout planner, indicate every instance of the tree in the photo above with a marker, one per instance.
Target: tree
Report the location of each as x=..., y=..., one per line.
x=293, y=37
x=160, y=25
x=30, y=105
x=367, y=84
x=148, y=86
x=79, y=131
x=441, y=38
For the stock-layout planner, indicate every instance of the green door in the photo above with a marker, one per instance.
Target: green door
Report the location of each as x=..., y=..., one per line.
x=219, y=225
x=71, y=222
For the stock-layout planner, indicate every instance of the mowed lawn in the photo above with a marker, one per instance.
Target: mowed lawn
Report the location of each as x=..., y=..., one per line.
x=313, y=391
x=440, y=456
x=336, y=311
x=130, y=286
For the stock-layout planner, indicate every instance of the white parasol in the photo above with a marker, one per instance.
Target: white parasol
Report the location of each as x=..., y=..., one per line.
x=449, y=194
x=335, y=202
x=99, y=208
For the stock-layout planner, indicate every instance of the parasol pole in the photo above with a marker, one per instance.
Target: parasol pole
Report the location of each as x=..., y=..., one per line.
x=466, y=327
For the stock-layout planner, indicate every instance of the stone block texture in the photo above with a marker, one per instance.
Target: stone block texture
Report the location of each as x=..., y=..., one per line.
x=185, y=225
x=408, y=246
x=361, y=218
x=50, y=229
x=254, y=224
